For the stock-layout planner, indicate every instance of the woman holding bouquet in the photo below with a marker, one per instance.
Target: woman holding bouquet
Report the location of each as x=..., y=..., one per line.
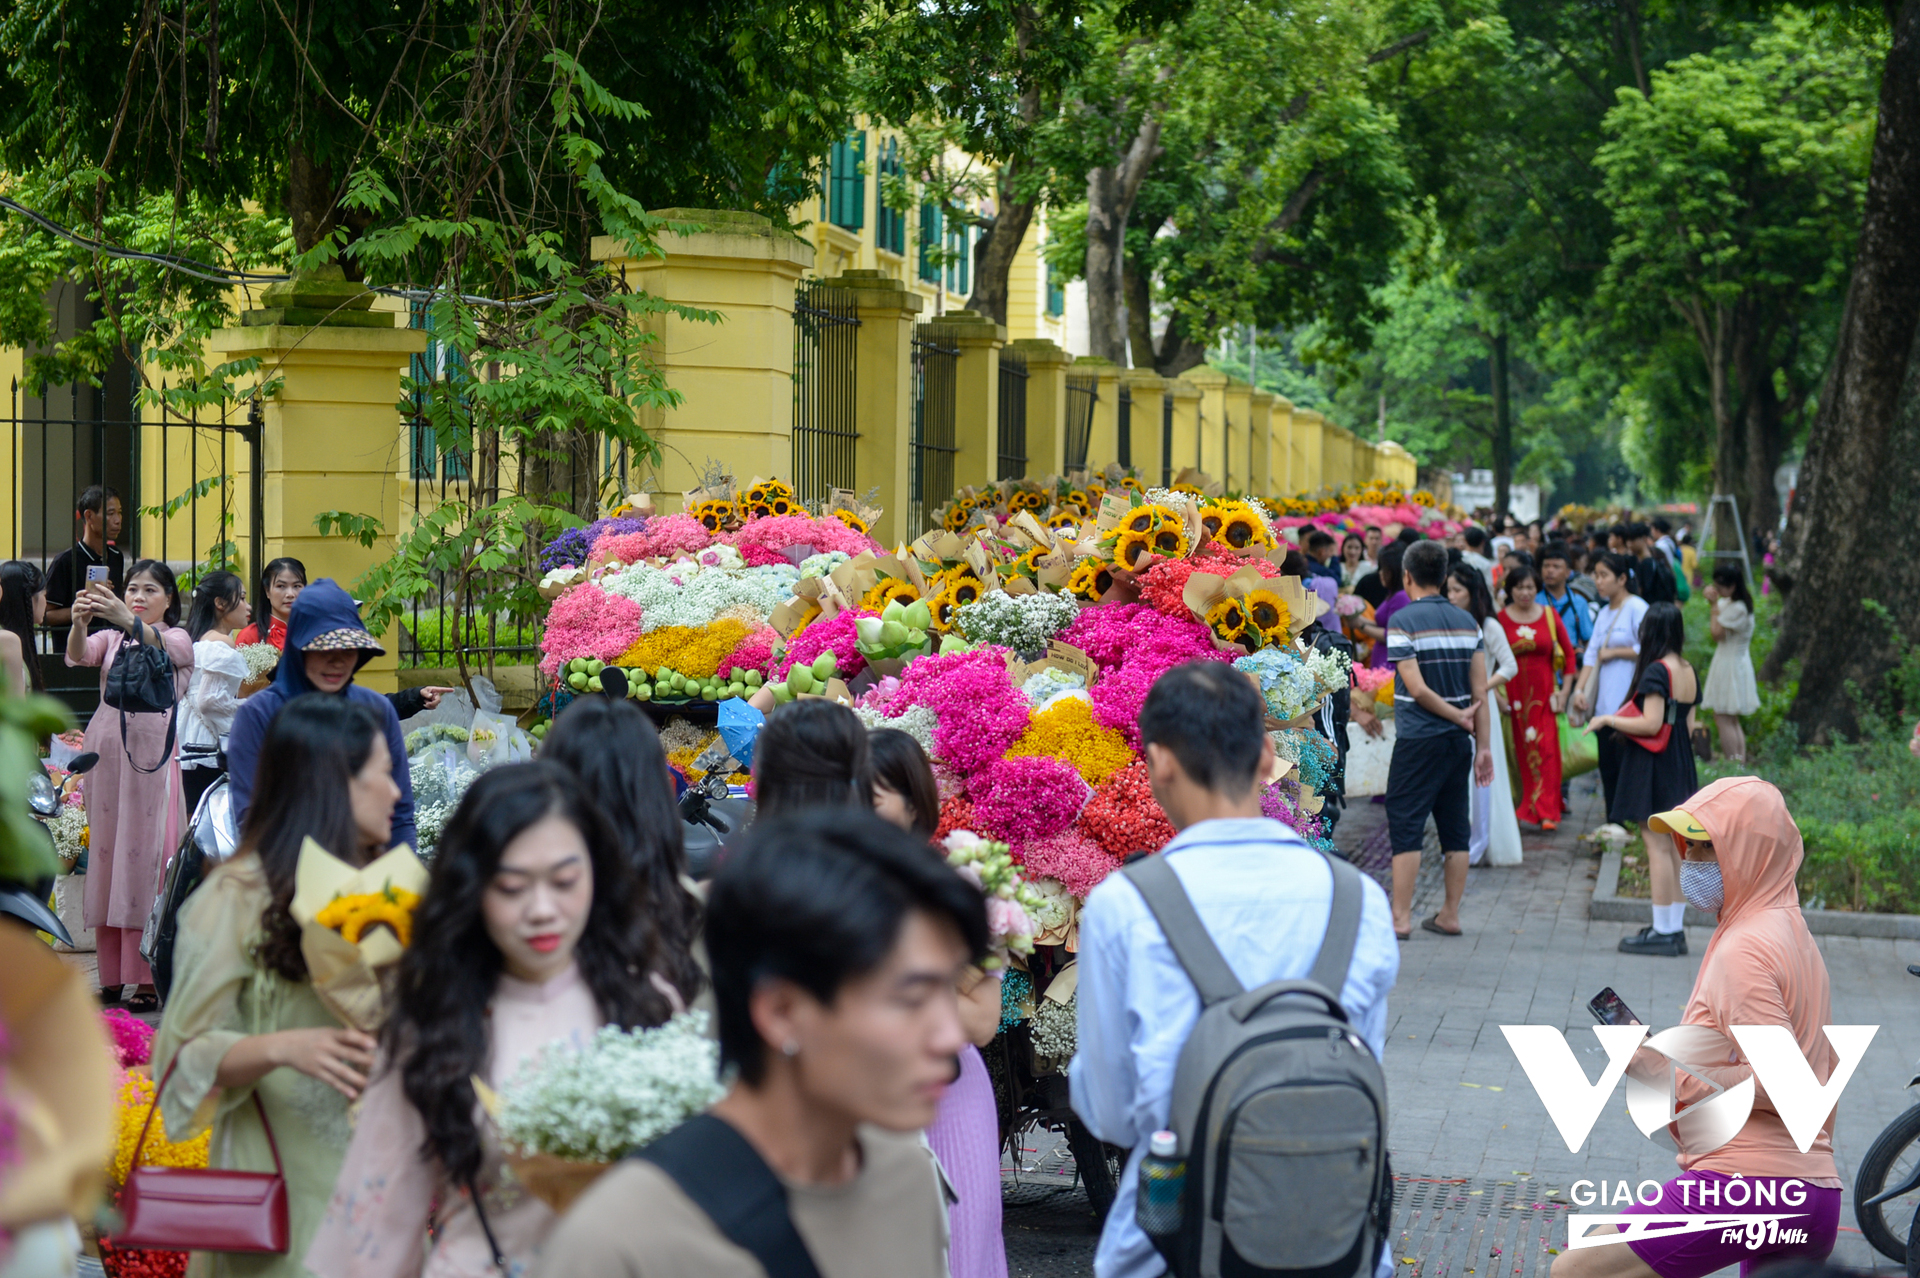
x=1536, y=694
x=246, y=1045
x=529, y=935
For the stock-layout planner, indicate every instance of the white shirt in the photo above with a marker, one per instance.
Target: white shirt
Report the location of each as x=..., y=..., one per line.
x=1617, y=626
x=1264, y=896
x=213, y=698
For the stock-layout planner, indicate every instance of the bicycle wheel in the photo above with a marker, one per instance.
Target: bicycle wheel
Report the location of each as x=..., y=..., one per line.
x=1892, y=1159
x=1099, y=1168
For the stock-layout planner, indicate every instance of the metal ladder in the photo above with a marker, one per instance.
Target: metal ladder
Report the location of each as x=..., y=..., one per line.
x=1740, y=537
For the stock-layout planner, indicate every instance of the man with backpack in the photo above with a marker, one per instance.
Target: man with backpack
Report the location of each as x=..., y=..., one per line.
x=1275, y=1098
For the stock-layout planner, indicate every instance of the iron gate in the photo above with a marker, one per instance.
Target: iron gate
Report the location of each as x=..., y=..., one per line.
x=1082, y=394
x=936, y=368
x=1123, y=446
x=826, y=324
x=188, y=487
x=1013, y=416
x=1166, y=440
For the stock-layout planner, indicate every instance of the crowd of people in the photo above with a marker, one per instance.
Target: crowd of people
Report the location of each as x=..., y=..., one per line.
x=844, y=963
x=1522, y=648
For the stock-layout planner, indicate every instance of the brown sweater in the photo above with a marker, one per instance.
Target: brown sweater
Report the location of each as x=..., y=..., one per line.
x=890, y=1221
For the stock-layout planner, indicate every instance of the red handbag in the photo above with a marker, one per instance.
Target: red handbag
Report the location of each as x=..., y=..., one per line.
x=1656, y=743
x=200, y=1208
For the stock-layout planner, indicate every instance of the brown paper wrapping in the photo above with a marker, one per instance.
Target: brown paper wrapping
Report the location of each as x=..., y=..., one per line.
x=347, y=976
x=555, y=1181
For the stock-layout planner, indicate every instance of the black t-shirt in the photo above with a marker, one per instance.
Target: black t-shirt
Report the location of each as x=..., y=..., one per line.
x=1371, y=589
x=1656, y=579
x=67, y=579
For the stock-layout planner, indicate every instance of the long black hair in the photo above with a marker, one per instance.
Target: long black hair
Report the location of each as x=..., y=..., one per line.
x=313, y=749
x=20, y=581
x=1663, y=633
x=1479, y=598
x=901, y=766
x=164, y=576
x=1392, y=579
x=1620, y=566
x=1733, y=579
x=812, y=753
x=612, y=747
x=437, y=1034
x=216, y=593
x=263, y=607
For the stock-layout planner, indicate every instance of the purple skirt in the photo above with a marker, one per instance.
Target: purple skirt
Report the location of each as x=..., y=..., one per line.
x=966, y=1139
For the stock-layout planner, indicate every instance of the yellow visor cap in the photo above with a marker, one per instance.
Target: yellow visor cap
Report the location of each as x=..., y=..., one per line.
x=1681, y=823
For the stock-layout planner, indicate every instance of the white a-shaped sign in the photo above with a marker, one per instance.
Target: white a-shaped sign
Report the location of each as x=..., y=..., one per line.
x=1782, y=1072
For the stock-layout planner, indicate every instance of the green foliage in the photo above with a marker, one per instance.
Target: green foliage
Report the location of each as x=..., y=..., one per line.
x=439, y=632
x=26, y=854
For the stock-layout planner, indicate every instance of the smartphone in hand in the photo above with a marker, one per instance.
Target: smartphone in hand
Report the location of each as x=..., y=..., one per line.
x=96, y=572
x=1609, y=1010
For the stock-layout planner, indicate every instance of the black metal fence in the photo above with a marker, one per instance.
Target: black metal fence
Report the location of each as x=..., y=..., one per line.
x=188, y=489
x=1123, y=445
x=936, y=371
x=1082, y=394
x=1013, y=417
x=1166, y=440
x=826, y=338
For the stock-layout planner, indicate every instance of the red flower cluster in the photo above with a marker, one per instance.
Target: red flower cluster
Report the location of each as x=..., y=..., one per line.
x=141, y=1264
x=1162, y=585
x=956, y=813
x=1122, y=816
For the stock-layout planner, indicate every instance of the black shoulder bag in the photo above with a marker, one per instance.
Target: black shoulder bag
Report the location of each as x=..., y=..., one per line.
x=728, y=1180
x=140, y=681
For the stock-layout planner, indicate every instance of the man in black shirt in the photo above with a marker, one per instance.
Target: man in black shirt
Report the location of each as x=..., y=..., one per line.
x=1652, y=573
x=99, y=513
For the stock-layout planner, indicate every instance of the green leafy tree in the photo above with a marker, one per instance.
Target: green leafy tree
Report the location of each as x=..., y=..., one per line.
x=1736, y=187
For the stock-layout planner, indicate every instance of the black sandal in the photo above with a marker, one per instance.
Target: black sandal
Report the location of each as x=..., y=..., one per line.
x=113, y=998
x=144, y=1002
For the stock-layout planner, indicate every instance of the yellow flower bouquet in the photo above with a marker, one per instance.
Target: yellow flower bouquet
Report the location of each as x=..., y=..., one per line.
x=354, y=923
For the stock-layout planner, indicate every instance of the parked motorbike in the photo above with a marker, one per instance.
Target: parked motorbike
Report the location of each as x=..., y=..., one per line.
x=210, y=838
x=27, y=902
x=1886, y=1191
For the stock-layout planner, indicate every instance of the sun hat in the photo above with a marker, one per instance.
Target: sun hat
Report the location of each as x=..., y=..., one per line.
x=1680, y=822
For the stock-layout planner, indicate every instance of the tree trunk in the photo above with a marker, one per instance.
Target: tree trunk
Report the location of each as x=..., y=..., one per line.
x=1502, y=427
x=1139, y=287
x=314, y=209
x=993, y=256
x=1851, y=534
x=1760, y=431
x=1111, y=193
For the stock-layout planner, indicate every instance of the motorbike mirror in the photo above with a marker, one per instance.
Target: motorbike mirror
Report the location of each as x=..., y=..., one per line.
x=613, y=681
x=83, y=762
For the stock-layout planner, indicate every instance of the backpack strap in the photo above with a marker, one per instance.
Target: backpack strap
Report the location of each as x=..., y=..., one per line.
x=728, y=1180
x=1343, y=928
x=1173, y=909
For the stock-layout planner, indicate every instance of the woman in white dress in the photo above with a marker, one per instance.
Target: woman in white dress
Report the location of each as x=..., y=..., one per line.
x=1731, y=690
x=206, y=714
x=1496, y=830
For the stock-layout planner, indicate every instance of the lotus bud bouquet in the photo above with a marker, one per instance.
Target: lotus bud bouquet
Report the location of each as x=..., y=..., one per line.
x=573, y=1111
x=896, y=636
x=1011, y=901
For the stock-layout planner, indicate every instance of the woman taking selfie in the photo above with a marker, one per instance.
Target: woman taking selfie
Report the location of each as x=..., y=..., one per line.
x=134, y=804
x=243, y=1023
x=530, y=934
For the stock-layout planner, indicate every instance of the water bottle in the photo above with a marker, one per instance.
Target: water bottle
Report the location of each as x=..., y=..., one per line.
x=1163, y=1181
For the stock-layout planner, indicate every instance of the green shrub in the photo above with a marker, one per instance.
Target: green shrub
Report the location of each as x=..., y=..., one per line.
x=434, y=628
x=1866, y=865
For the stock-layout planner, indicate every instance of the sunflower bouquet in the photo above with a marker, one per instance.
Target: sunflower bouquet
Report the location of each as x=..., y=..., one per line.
x=353, y=924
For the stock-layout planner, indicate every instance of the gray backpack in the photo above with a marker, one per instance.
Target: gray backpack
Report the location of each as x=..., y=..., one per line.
x=1279, y=1105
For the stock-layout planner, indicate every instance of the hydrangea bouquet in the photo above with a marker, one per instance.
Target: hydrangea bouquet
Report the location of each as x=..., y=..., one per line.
x=572, y=1111
x=1294, y=682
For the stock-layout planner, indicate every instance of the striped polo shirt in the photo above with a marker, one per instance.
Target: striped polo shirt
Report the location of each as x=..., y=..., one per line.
x=1443, y=639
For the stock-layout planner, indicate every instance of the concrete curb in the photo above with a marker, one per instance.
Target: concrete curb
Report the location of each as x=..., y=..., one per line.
x=1609, y=905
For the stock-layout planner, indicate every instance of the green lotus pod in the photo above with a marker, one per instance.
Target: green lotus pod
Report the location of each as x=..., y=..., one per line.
x=641, y=692
x=893, y=611
x=825, y=664
x=781, y=693
x=893, y=633
x=594, y=684
x=800, y=679
x=755, y=678
x=577, y=666
x=871, y=628
x=736, y=690
x=919, y=616
x=577, y=681
x=595, y=666
x=708, y=694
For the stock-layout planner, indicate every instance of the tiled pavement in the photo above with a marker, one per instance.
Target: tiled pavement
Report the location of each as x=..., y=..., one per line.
x=1484, y=1175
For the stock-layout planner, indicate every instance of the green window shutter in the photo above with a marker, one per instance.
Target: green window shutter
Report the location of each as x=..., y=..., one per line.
x=846, y=184
x=930, y=221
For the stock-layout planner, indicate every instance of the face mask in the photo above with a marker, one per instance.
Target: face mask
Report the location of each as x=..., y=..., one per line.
x=1700, y=883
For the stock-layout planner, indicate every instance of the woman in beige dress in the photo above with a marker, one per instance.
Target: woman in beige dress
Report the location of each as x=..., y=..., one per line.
x=243, y=1019
x=1731, y=690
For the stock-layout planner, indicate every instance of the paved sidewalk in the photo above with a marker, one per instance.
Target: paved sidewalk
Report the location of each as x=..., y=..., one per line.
x=1483, y=1174
x=1484, y=1164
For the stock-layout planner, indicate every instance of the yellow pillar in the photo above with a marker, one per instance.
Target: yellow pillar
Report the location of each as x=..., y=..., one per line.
x=1237, y=417
x=735, y=378
x=1212, y=385
x=883, y=395
x=329, y=441
x=1103, y=443
x=1260, y=424
x=1307, y=426
x=1398, y=467
x=1280, y=436
x=1186, y=425
x=1047, y=368
x=1338, y=449
x=1149, y=391
x=976, y=394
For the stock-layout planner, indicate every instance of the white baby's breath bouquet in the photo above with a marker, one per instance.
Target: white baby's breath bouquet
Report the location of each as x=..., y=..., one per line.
x=261, y=659
x=572, y=1111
